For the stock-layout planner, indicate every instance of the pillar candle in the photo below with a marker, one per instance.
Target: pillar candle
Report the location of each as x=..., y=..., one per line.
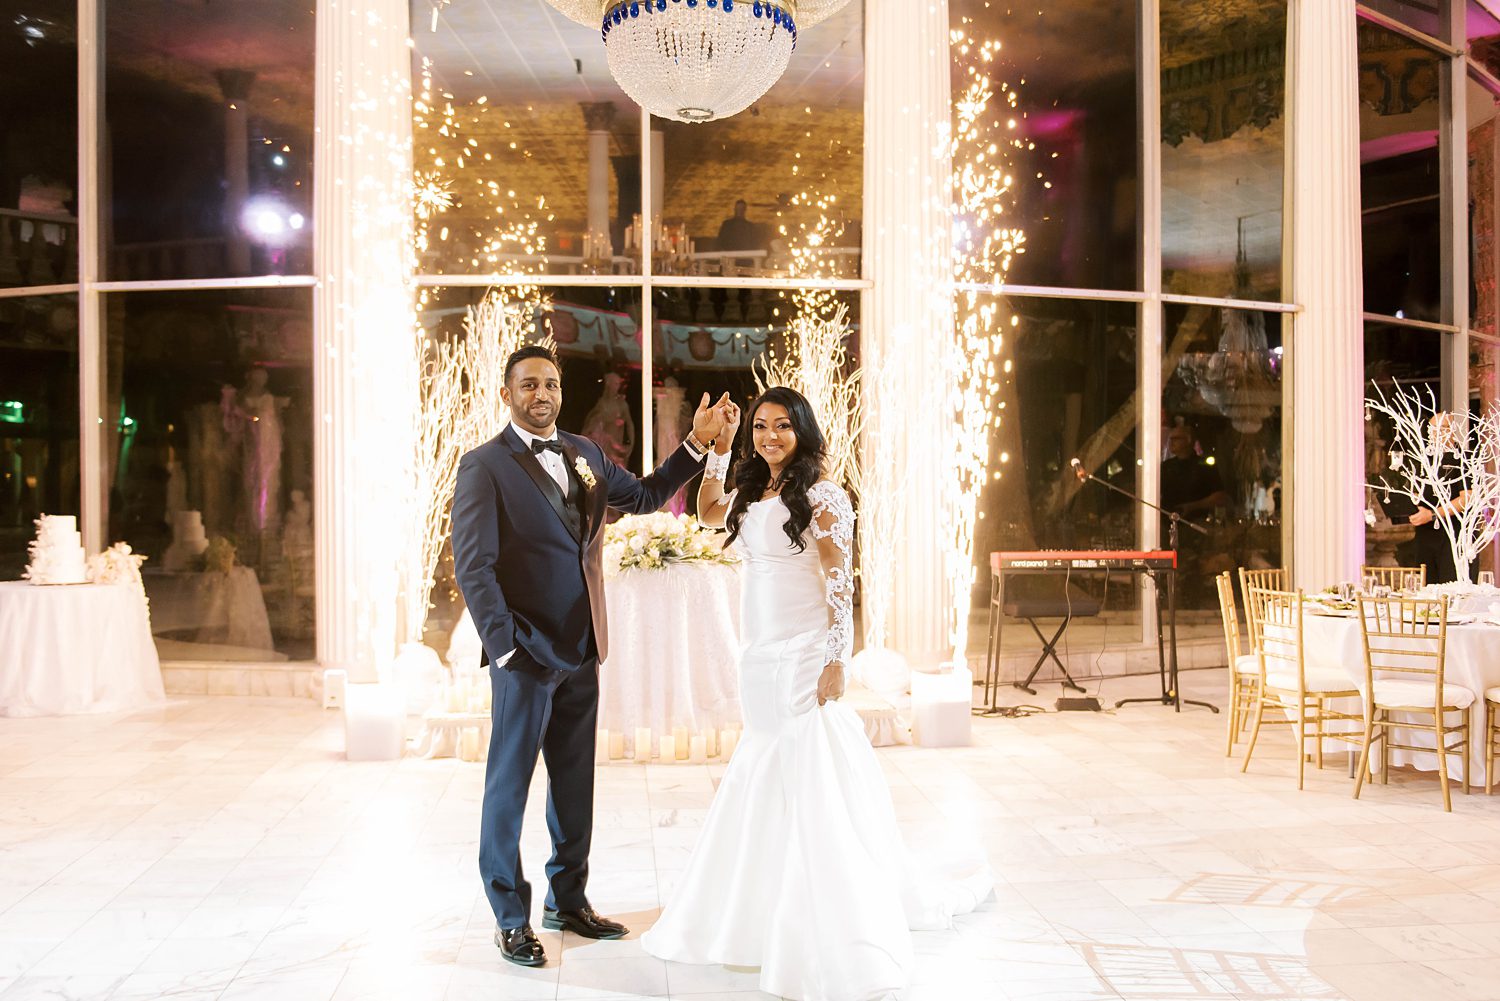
x=679, y=742
x=698, y=750
x=642, y=744
x=727, y=741
x=668, y=749
x=601, y=746
x=616, y=745
x=468, y=741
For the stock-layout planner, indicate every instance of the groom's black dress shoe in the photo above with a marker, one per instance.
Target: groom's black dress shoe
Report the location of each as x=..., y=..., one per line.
x=521, y=946
x=585, y=922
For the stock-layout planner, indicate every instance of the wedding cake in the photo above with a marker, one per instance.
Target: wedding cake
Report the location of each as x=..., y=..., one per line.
x=188, y=540
x=57, y=555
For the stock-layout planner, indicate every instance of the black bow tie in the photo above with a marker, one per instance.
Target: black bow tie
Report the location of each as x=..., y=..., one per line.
x=550, y=445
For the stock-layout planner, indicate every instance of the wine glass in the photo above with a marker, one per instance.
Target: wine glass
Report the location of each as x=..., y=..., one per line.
x=1410, y=583
x=1370, y=583
x=1486, y=578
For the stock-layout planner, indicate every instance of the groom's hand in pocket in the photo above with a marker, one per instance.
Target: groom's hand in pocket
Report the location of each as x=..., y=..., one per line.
x=831, y=682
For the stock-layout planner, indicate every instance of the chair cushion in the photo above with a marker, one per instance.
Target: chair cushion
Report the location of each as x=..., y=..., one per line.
x=1492, y=694
x=1391, y=693
x=1319, y=679
x=1247, y=663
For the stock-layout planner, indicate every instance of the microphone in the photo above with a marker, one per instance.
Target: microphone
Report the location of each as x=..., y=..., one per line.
x=1078, y=470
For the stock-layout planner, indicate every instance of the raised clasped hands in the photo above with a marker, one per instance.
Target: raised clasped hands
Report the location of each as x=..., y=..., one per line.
x=831, y=682
x=709, y=419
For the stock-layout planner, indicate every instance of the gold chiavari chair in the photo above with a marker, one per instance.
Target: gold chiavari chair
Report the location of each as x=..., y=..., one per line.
x=1394, y=577
x=1259, y=580
x=1290, y=689
x=1406, y=648
x=1244, y=668
x=1491, y=735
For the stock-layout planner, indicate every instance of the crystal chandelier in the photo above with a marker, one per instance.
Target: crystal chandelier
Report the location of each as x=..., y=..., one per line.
x=1242, y=379
x=697, y=60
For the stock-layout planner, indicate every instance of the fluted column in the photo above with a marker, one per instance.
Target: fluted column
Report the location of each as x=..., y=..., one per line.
x=908, y=256
x=235, y=86
x=1327, y=346
x=599, y=118
x=364, y=379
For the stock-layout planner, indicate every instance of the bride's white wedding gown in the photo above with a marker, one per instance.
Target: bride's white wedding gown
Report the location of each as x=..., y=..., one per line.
x=800, y=869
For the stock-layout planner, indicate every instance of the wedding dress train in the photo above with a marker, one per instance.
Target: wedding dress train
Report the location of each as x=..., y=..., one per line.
x=800, y=869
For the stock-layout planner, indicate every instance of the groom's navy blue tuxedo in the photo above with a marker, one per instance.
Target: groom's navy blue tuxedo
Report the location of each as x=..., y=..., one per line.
x=527, y=557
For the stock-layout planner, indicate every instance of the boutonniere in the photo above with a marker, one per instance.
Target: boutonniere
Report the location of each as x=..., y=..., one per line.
x=585, y=473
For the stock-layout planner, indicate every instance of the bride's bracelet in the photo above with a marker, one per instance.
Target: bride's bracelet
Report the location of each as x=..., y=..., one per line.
x=716, y=466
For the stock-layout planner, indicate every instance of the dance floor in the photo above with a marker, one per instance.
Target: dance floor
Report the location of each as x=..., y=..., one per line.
x=221, y=848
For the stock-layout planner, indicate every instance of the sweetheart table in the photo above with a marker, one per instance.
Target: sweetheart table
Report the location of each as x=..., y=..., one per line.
x=80, y=648
x=673, y=650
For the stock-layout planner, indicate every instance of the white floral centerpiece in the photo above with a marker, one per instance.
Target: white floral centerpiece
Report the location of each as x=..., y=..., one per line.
x=118, y=565
x=656, y=541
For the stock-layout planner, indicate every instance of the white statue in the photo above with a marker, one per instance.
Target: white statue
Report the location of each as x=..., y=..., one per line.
x=672, y=420
x=252, y=418
x=609, y=424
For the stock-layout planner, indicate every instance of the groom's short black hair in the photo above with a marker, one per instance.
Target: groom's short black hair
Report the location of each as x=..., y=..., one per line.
x=531, y=351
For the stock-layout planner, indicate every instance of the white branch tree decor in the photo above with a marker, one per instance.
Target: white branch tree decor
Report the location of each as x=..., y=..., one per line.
x=1439, y=454
x=816, y=364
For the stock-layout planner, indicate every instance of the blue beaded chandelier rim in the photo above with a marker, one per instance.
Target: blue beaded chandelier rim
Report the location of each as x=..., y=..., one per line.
x=625, y=10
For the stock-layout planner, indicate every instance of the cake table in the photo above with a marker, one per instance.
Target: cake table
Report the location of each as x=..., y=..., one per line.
x=83, y=648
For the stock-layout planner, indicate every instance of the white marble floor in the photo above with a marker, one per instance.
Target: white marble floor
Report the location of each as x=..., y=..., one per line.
x=221, y=848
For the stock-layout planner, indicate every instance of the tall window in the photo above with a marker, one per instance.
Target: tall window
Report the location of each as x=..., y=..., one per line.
x=548, y=170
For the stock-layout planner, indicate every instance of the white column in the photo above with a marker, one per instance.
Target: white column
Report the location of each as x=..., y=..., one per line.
x=1327, y=346
x=235, y=86
x=364, y=384
x=909, y=257
x=599, y=118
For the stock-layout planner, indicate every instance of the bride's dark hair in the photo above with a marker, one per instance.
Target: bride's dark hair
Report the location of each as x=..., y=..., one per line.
x=752, y=476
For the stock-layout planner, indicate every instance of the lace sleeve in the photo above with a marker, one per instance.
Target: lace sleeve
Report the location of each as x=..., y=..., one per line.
x=833, y=528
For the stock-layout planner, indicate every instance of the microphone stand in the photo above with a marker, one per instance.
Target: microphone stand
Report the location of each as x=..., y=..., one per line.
x=1171, y=694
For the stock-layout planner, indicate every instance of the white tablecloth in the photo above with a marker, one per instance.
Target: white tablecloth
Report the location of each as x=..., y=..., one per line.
x=82, y=648
x=1473, y=661
x=673, y=649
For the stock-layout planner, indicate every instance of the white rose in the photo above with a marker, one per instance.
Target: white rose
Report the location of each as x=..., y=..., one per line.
x=637, y=544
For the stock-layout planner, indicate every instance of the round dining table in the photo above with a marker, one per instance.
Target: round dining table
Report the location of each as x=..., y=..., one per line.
x=1331, y=638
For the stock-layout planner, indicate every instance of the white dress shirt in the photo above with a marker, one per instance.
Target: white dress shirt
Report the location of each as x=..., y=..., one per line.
x=551, y=461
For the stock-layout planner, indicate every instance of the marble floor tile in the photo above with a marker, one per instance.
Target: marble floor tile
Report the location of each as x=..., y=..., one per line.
x=220, y=848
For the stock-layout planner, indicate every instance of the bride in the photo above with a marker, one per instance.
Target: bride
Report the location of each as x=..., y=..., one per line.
x=800, y=869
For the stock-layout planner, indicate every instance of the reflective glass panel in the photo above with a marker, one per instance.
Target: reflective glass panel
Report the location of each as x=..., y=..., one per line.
x=1483, y=29
x=722, y=340
x=1223, y=97
x=1484, y=268
x=1424, y=15
x=207, y=139
x=527, y=148
x=39, y=139
x=1411, y=359
x=1400, y=85
x=1075, y=172
x=208, y=429
x=38, y=419
x=781, y=182
x=596, y=332
x=1067, y=389
x=1221, y=462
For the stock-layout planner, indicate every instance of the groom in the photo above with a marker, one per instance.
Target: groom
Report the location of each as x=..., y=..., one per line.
x=528, y=520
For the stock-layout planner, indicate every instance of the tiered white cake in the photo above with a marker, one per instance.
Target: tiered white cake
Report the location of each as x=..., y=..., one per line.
x=57, y=555
x=188, y=540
